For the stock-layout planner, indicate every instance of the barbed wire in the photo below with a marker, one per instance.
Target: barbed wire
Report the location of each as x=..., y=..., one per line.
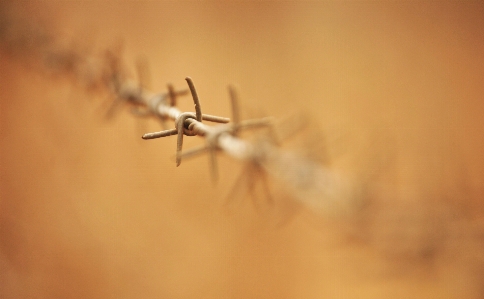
x=312, y=183
x=319, y=187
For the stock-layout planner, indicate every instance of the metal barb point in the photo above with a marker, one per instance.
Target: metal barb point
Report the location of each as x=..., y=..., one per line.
x=160, y=134
x=173, y=94
x=235, y=109
x=196, y=101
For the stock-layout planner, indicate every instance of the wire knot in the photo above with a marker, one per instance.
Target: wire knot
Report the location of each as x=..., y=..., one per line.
x=182, y=126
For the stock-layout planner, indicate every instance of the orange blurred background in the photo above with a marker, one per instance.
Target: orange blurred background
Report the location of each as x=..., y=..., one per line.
x=89, y=210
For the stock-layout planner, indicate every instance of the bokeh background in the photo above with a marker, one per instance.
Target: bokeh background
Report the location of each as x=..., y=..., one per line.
x=395, y=93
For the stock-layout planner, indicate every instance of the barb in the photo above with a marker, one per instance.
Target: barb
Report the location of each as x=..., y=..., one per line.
x=235, y=109
x=198, y=109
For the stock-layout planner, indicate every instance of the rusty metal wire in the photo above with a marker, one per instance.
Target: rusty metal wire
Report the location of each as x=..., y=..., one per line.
x=312, y=184
x=219, y=137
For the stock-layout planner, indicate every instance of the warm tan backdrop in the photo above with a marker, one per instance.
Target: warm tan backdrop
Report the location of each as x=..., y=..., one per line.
x=89, y=210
